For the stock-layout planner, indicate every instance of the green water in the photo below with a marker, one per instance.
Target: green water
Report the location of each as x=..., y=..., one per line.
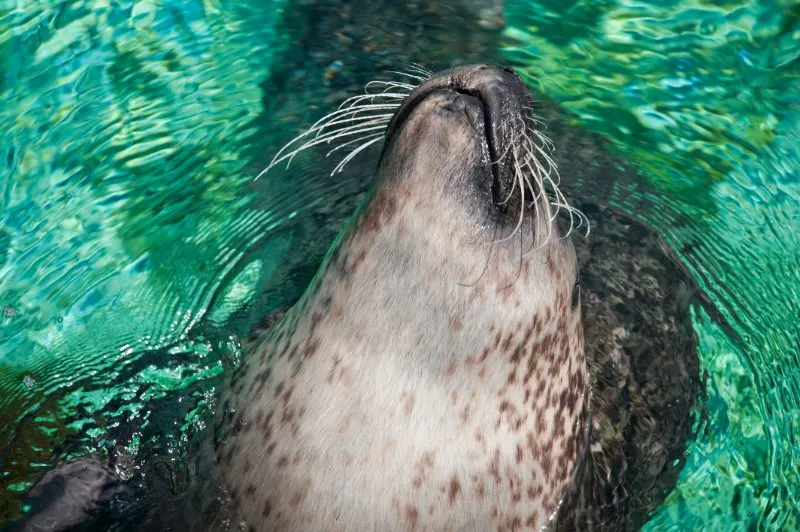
x=132, y=236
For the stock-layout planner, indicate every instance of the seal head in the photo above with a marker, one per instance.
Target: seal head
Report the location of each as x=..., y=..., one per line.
x=433, y=374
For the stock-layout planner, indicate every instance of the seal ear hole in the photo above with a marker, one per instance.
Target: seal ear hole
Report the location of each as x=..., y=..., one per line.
x=576, y=293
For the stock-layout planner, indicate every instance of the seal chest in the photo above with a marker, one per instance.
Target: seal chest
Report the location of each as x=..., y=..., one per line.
x=433, y=375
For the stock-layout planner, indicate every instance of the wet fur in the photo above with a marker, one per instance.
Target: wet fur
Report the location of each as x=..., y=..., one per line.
x=401, y=393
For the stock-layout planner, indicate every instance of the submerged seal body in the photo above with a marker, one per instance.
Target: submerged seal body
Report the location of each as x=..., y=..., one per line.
x=433, y=374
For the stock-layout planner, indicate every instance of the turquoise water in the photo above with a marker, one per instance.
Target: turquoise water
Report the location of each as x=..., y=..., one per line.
x=133, y=238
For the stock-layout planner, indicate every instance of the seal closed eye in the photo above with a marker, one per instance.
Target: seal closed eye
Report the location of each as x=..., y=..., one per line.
x=433, y=374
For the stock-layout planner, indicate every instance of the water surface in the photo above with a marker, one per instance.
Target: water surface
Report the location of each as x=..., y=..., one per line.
x=133, y=239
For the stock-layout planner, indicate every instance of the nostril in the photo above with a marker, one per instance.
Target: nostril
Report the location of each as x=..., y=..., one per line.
x=452, y=102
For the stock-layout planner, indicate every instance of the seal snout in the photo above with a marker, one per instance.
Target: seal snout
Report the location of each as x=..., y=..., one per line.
x=502, y=97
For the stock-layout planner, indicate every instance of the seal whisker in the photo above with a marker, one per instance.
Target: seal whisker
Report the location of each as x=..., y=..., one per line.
x=550, y=162
x=389, y=85
x=408, y=74
x=360, y=108
x=326, y=139
x=518, y=180
x=348, y=129
x=485, y=267
x=537, y=119
x=319, y=124
x=355, y=152
x=354, y=141
x=538, y=173
x=519, y=266
x=416, y=67
x=351, y=102
x=362, y=113
x=355, y=120
x=546, y=142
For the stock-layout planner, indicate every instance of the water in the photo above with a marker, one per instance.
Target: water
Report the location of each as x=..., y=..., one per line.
x=136, y=251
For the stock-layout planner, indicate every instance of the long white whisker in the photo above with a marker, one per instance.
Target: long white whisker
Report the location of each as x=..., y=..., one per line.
x=355, y=152
x=321, y=140
x=416, y=67
x=360, y=120
x=546, y=142
x=351, y=102
x=319, y=124
x=354, y=141
x=412, y=76
x=390, y=85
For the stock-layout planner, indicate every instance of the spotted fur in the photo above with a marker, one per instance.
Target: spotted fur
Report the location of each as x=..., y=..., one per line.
x=433, y=375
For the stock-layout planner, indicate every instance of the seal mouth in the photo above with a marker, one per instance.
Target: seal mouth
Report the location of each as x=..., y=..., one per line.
x=502, y=97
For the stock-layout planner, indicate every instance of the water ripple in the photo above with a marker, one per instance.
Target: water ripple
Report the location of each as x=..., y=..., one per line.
x=123, y=201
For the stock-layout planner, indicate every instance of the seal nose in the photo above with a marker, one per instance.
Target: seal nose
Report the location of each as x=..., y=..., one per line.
x=503, y=96
x=495, y=86
x=450, y=101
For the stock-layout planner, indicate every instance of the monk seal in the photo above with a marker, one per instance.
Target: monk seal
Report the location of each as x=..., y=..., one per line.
x=433, y=375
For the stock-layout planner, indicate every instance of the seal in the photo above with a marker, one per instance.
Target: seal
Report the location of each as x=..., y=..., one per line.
x=433, y=375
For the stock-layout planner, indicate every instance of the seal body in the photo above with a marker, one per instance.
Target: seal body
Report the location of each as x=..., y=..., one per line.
x=433, y=376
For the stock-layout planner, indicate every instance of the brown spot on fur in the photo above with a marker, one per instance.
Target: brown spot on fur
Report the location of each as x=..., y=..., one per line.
x=288, y=395
x=412, y=514
x=283, y=461
x=316, y=317
x=455, y=489
x=422, y=468
x=546, y=464
x=293, y=352
x=480, y=489
x=358, y=260
x=250, y=490
x=337, y=360
x=408, y=404
x=311, y=348
x=456, y=324
x=551, y=267
x=507, y=343
x=381, y=210
x=296, y=499
x=267, y=508
x=494, y=469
